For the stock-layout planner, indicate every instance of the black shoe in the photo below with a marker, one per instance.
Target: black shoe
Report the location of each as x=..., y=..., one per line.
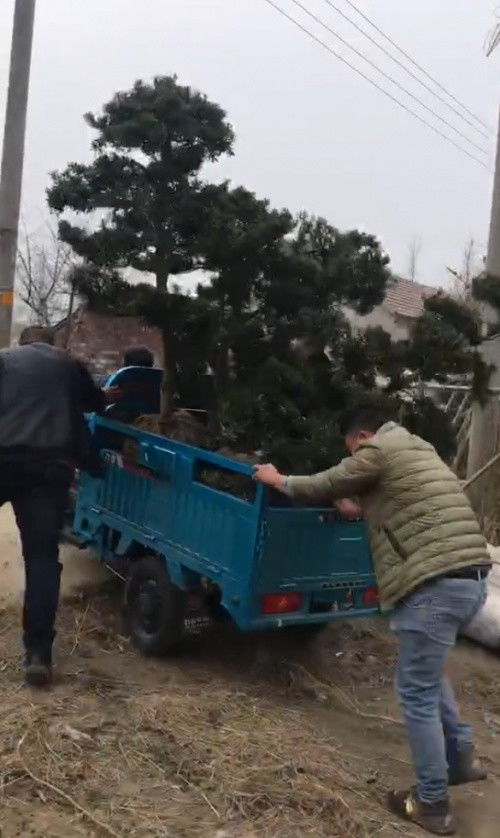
x=38, y=670
x=466, y=768
x=434, y=817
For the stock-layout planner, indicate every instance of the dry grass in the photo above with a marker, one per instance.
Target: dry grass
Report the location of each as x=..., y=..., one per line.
x=125, y=747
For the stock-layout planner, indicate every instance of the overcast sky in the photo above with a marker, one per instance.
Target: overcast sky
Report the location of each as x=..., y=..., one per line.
x=310, y=133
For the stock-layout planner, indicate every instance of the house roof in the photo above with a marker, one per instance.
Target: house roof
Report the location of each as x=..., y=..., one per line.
x=406, y=298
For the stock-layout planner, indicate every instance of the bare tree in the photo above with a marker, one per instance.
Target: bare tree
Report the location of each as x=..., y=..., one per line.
x=414, y=248
x=464, y=278
x=43, y=280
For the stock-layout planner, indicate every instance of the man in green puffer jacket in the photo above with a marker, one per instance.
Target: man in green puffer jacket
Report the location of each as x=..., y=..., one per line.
x=431, y=564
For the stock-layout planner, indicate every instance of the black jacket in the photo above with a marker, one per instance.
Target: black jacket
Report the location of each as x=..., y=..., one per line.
x=44, y=394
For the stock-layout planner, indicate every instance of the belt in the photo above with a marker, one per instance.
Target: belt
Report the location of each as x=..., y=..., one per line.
x=476, y=571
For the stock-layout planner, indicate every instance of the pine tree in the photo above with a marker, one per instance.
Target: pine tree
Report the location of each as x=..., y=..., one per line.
x=142, y=194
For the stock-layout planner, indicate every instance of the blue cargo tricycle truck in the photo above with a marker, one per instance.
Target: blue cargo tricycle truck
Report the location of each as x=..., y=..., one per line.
x=190, y=526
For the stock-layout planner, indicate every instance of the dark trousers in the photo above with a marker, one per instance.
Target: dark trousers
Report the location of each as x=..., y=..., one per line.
x=38, y=493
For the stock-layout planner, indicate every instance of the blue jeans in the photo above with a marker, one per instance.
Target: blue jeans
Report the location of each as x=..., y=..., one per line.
x=426, y=625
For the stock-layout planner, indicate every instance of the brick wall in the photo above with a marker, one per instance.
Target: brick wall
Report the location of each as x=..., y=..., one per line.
x=99, y=339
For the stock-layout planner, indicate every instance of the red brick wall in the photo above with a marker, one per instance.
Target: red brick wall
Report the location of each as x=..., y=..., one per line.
x=99, y=339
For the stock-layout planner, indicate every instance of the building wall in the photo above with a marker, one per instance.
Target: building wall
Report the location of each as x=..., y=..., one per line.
x=99, y=339
x=397, y=327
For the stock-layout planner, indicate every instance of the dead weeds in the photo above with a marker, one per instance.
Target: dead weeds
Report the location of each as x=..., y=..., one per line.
x=124, y=746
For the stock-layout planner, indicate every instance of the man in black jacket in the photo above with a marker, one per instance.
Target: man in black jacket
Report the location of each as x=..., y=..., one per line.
x=44, y=394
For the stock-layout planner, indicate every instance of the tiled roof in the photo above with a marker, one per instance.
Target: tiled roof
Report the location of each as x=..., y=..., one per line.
x=406, y=298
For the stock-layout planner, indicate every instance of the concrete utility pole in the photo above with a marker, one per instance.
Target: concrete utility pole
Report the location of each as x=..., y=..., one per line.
x=493, y=255
x=11, y=175
x=484, y=432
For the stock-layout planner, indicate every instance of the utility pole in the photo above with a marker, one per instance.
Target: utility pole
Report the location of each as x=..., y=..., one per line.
x=485, y=424
x=493, y=255
x=11, y=174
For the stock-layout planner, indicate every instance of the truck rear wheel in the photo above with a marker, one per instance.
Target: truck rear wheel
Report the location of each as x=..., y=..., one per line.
x=155, y=607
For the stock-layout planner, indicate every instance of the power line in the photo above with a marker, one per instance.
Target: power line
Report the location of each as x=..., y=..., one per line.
x=416, y=64
x=492, y=40
x=374, y=83
x=390, y=78
x=406, y=69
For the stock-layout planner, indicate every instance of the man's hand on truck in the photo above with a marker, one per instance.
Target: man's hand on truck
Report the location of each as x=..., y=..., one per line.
x=348, y=508
x=270, y=476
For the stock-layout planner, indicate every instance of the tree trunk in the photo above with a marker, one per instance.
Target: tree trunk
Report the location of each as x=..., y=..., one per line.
x=169, y=366
x=168, y=385
x=69, y=316
x=162, y=282
x=220, y=385
x=221, y=370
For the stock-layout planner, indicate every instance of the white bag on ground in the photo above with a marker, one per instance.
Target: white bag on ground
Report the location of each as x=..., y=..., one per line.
x=485, y=627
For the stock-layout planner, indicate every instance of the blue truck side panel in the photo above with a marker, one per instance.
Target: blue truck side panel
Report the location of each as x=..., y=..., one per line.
x=248, y=548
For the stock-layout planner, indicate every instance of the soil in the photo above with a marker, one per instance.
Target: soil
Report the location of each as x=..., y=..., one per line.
x=237, y=737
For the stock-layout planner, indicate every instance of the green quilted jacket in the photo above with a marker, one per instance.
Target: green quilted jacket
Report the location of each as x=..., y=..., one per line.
x=421, y=523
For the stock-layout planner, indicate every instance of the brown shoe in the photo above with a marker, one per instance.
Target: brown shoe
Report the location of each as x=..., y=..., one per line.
x=434, y=817
x=467, y=769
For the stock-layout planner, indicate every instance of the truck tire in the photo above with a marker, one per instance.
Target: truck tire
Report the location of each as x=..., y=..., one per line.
x=155, y=608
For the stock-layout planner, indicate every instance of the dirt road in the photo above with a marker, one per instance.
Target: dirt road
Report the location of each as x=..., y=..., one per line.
x=80, y=570
x=236, y=738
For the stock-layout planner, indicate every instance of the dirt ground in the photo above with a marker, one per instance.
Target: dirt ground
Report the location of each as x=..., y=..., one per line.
x=239, y=737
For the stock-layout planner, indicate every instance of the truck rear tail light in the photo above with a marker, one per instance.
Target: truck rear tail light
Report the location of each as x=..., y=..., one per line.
x=371, y=597
x=281, y=603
